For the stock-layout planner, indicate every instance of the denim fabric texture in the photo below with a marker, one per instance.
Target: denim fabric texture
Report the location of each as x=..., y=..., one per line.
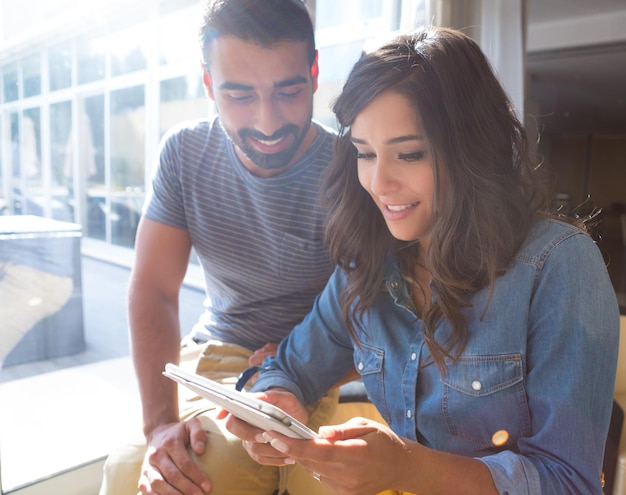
x=540, y=364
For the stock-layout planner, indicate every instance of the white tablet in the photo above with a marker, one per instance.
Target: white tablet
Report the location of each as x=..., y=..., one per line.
x=241, y=404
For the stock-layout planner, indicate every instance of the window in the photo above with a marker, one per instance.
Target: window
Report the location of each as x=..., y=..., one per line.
x=61, y=164
x=91, y=58
x=178, y=37
x=127, y=163
x=182, y=98
x=342, y=30
x=33, y=192
x=31, y=68
x=91, y=166
x=3, y=199
x=10, y=82
x=129, y=49
x=82, y=115
x=60, y=66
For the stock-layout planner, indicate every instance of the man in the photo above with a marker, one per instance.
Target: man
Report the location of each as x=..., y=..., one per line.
x=240, y=188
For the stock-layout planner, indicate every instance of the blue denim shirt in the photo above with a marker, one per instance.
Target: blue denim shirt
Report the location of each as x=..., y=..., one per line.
x=540, y=363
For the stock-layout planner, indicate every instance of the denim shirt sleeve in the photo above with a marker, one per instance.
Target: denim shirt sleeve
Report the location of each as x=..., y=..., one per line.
x=321, y=343
x=573, y=332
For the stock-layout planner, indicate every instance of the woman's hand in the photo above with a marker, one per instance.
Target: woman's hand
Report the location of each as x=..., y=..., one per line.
x=360, y=457
x=256, y=441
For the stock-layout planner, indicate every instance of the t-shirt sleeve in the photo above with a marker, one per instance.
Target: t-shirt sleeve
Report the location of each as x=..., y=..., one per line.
x=164, y=201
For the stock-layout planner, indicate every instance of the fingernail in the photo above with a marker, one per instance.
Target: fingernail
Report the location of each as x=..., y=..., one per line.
x=266, y=437
x=279, y=445
x=261, y=438
x=206, y=486
x=289, y=460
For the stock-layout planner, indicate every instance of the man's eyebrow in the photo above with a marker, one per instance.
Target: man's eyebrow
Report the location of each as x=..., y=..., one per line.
x=291, y=82
x=234, y=86
x=395, y=140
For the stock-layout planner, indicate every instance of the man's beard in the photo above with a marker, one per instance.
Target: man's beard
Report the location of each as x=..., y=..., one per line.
x=270, y=161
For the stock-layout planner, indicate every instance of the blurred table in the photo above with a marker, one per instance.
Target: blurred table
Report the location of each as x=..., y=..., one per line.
x=50, y=247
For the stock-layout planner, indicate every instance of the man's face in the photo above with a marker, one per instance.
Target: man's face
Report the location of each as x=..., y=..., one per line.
x=265, y=100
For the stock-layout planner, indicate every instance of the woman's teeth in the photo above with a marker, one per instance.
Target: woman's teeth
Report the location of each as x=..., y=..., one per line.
x=400, y=207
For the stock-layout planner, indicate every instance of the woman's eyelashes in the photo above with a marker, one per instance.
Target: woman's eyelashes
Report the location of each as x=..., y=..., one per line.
x=407, y=157
x=413, y=156
x=365, y=156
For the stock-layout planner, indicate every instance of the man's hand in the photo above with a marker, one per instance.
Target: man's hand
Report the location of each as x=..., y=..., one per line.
x=259, y=355
x=168, y=468
x=257, y=358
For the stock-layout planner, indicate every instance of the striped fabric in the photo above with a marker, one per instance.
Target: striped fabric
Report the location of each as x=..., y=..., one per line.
x=259, y=241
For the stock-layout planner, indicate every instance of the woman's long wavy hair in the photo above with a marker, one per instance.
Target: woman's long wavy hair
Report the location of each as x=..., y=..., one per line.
x=487, y=189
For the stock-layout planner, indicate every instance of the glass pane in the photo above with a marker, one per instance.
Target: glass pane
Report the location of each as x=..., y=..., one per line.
x=178, y=37
x=182, y=98
x=91, y=56
x=31, y=73
x=10, y=82
x=128, y=49
x=30, y=162
x=3, y=200
x=127, y=163
x=61, y=161
x=60, y=66
x=335, y=62
x=15, y=148
x=329, y=13
x=91, y=166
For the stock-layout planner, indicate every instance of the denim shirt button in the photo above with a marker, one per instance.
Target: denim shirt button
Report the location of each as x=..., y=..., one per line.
x=476, y=385
x=413, y=357
x=409, y=414
x=360, y=366
x=394, y=284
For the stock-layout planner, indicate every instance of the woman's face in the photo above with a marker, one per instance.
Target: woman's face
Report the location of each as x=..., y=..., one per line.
x=395, y=165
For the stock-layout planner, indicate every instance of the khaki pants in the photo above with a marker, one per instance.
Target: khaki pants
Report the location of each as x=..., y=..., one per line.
x=228, y=465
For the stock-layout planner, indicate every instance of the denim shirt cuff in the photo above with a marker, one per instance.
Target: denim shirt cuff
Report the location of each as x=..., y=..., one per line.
x=270, y=379
x=512, y=474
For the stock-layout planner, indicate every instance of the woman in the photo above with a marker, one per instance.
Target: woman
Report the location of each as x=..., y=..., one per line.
x=485, y=329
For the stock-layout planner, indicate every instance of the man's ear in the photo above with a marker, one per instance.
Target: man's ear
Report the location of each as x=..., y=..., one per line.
x=315, y=71
x=206, y=81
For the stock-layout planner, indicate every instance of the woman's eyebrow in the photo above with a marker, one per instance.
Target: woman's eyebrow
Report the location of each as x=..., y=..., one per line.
x=394, y=140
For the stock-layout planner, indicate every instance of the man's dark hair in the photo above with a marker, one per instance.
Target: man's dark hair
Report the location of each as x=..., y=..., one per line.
x=264, y=22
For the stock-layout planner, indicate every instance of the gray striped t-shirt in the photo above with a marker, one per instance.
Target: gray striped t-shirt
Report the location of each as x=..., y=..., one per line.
x=259, y=241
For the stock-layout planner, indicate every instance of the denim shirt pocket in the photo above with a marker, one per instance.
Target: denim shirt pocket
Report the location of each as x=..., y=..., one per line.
x=486, y=394
x=369, y=361
x=299, y=256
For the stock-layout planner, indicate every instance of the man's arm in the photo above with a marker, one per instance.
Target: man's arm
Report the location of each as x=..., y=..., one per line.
x=162, y=255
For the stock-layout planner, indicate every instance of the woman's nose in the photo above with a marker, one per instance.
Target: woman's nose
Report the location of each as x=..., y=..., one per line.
x=383, y=180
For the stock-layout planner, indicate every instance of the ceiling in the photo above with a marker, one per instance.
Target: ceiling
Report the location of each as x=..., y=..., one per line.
x=580, y=90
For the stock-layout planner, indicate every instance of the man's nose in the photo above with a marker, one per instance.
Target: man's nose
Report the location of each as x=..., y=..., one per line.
x=269, y=118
